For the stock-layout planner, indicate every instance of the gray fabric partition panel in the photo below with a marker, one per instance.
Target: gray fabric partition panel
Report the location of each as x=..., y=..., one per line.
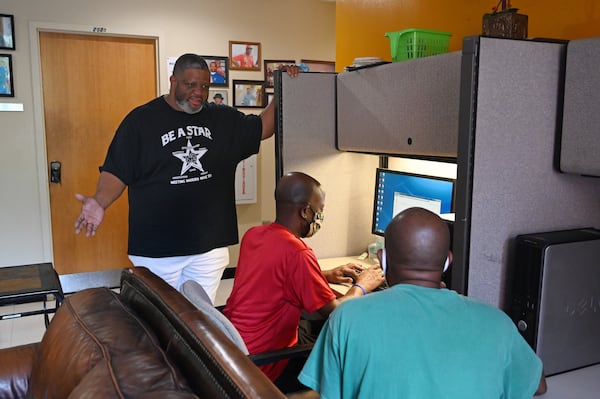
x=306, y=143
x=580, y=147
x=515, y=188
x=403, y=108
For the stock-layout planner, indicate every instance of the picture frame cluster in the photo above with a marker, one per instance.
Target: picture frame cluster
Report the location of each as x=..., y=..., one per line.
x=247, y=56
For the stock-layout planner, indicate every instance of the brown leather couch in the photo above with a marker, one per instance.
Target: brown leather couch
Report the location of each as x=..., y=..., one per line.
x=147, y=341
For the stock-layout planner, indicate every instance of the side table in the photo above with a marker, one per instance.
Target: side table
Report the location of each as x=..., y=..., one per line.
x=29, y=284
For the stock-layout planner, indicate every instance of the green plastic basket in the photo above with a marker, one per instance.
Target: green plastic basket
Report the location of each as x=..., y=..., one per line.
x=416, y=43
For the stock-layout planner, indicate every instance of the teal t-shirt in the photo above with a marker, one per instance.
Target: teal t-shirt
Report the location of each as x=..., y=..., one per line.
x=415, y=342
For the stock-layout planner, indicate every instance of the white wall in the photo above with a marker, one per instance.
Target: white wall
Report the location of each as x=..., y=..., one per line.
x=286, y=29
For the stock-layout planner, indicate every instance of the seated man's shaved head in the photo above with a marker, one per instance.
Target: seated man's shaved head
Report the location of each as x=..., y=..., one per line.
x=298, y=198
x=295, y=188
x=417, y=244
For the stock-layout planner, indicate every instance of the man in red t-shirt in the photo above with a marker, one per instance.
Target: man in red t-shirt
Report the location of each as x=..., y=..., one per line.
x=278, y=275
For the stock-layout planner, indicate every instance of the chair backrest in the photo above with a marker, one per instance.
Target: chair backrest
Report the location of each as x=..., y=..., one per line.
x=211, y=363
x=196, y=295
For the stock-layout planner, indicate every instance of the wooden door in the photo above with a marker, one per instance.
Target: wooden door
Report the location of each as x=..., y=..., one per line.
x=89, y=84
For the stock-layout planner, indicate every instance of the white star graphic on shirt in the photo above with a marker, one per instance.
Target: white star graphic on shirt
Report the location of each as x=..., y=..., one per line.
x=190, y=157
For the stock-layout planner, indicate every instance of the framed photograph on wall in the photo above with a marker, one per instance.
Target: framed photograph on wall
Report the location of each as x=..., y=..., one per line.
x=245, y=181
x=7, y=32
x=6, y=76
x=244, y=56
x=218, y=66
x=319, y=66
x=218, y=97
x=273, y=65
x=248, y=93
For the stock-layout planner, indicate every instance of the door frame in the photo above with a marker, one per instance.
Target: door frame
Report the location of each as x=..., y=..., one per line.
x=38, y=108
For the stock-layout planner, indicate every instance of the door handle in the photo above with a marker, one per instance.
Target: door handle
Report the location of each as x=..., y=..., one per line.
x=55, y=167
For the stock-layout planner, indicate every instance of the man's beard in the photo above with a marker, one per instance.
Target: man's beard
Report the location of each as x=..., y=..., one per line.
x=185, y=107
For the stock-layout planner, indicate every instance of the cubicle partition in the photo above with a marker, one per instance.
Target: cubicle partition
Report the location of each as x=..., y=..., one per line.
x=335, y=126
x=580, y=144
x=305, y=142
x=511, y=112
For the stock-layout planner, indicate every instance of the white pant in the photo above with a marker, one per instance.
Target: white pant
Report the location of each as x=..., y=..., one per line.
x=207, y=268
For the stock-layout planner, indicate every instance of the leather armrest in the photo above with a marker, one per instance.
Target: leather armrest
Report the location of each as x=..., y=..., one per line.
x=15, y=370
x=261, y=359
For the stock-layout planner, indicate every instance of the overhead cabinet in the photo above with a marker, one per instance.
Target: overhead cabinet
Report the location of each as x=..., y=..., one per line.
x=405, y=108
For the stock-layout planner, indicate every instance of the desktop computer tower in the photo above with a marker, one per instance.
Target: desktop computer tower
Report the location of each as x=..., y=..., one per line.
x=556, y=296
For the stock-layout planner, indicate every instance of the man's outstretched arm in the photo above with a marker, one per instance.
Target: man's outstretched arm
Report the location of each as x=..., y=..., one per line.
x=109, y=188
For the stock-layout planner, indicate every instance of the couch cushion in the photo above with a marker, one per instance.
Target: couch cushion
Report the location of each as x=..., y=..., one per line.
x=15, y=370
x=96, y=341
x=128, y=370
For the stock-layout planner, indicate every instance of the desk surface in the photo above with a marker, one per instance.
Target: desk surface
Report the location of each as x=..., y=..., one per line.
x=330, y=263
x=580, y=384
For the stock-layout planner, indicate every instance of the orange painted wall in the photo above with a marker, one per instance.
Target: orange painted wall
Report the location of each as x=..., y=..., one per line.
x=361, y=24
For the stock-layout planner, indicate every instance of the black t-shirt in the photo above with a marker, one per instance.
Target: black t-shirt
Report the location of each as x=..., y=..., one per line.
x=180, y=171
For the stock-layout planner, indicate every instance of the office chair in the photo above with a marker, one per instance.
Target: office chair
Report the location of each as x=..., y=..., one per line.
x=196, y=295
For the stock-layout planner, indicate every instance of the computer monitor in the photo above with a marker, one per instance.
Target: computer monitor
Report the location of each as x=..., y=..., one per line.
x=396, y=191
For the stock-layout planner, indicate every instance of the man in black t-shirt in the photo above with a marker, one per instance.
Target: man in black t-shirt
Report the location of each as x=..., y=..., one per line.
x=177, y=155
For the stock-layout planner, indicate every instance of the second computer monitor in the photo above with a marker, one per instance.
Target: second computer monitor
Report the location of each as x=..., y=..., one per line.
x=396, y=191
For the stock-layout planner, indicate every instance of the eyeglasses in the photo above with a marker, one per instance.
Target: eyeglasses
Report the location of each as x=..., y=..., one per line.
x=320, y=215
x=195, y=85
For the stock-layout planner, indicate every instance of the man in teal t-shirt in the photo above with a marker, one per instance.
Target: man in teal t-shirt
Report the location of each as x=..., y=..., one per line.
x=415, y=340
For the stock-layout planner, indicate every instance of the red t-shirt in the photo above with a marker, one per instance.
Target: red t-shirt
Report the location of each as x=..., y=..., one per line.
x=277, y=277
x=245, y=60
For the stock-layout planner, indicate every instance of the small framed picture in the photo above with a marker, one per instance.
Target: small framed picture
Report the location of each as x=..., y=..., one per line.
x=218, y=66
x=6, y=79
x=319, y=66
x=218, y=97
x=244, y=56
x=248, y=93
x=273, y=65
x=7, y=32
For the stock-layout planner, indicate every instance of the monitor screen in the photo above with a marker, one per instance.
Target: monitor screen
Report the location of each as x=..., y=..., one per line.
x=396, y=191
